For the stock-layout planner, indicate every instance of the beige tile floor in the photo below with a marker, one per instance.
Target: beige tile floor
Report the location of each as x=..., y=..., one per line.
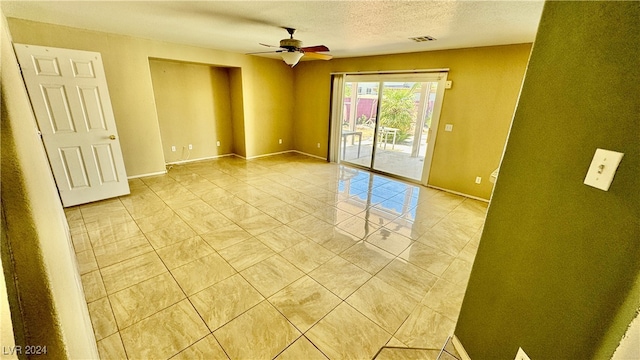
x=283, y=256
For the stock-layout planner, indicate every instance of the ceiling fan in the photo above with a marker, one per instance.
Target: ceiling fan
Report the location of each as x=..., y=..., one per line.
x=292, y=50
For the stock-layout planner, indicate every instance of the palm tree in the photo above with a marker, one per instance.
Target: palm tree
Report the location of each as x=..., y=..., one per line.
x=398, y=109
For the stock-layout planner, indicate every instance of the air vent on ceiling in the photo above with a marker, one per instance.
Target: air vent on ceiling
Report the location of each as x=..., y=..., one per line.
x=422, y=38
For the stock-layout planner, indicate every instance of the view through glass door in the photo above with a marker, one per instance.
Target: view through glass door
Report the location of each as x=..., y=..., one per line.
x=360, y=107
x=387, y=122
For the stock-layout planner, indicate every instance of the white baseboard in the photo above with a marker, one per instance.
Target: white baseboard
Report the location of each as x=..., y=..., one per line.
x=263, y=155
x=309, y=155
x=459, y=193
x=149, y=174
x=459, y=348
x=199, y=159
x=279, y=153
x=180, y=162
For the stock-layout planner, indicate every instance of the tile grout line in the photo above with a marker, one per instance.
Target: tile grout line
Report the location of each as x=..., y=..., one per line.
x=305, y=273
x=106, y=293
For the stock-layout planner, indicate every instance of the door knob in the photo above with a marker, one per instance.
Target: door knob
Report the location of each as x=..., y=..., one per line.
x=112, y=137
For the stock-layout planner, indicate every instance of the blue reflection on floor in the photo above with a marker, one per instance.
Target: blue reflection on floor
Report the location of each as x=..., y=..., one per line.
x=393, y=196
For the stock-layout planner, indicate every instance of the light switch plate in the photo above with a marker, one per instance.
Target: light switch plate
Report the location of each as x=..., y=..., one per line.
x=448, y=127
x=521, y=355
x=448, y=84
x=603, y=168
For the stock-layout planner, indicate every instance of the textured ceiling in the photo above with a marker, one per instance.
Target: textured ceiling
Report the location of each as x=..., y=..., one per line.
x=348, y=28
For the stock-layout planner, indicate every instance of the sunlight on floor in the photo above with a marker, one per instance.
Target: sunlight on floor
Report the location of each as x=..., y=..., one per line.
x=283, y=256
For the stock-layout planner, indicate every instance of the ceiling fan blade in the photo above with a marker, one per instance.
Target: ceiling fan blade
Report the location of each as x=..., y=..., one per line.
x=267, y=45
x=265, y=52
x=317, y=56
x=316, y=48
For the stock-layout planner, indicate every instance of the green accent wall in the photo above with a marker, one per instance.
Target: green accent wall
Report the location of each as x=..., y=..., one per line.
x=558, y=260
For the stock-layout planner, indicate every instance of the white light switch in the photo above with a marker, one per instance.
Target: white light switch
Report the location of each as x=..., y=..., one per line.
x=602, y=169
x=448, y=127
x=447, y=84
x=521, y=355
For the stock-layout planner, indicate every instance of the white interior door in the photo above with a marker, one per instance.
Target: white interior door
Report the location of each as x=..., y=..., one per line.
x=69, y=95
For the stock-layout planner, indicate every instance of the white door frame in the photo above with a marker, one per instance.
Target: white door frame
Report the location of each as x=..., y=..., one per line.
x=435, y=121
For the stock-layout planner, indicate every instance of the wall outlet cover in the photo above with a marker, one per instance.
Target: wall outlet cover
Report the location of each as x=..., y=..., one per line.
x=448, y=127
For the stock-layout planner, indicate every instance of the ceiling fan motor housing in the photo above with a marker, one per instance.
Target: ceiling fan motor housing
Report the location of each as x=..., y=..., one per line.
x=290, y=44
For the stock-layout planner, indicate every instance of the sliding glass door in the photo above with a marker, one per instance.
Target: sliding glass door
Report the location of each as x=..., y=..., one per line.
x=360, y=106
x=387, y=120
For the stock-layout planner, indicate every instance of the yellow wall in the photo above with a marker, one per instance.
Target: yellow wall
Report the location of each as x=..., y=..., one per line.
x=42, y=262
x=268, y=106
x=293, y=105
x=194, y=107
x=237, y=115
x=480, y=105
x=267, y=85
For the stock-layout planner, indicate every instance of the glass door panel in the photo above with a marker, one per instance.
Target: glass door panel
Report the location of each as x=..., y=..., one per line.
x=388, y=122
x=360, y=108
x=405, y=117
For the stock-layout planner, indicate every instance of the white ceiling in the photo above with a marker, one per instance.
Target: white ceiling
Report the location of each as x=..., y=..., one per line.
x=348, y=28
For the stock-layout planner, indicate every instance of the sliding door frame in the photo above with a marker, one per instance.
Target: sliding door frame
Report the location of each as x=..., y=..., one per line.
x=339, y=79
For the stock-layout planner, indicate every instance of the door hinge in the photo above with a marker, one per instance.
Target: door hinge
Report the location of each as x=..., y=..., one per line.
x=39, y=133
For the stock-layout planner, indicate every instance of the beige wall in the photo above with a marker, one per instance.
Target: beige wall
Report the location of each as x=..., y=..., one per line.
x=42, y=262
x=293, y=105
x=193, y=102
x=268, y=106
x=267, y=85
x=480, y=105
x=237, y=115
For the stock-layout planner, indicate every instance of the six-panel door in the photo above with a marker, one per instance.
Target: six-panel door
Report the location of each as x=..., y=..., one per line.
x=69, y=95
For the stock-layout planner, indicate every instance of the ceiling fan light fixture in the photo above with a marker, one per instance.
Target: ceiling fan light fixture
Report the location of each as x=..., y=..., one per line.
x=291, y=58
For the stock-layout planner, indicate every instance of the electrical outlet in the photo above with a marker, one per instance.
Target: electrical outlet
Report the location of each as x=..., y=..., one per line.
x=448, y=127
x=318, y=145
x=521, y=355
x=478, y=179
x=279, y=141
x=190, y=147
x=173, y=148
x=218, y=143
